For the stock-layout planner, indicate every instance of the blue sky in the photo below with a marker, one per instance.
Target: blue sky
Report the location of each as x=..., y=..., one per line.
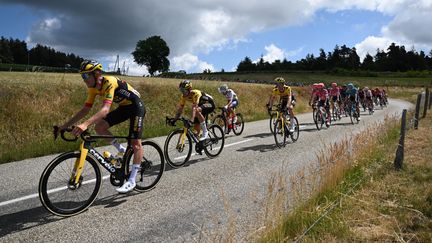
x=217, y=34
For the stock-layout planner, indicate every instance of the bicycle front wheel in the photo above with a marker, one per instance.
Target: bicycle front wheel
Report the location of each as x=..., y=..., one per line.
x=214, y=147
x=152, y=166
x=238, y=126
x=273, y=119
x=279, y=133
x=63, y=198
x=318, y=120
x=177, y=149
x=295, y=135
x=220, y=121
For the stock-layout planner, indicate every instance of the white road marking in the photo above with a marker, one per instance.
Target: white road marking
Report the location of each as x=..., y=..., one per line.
x=87, y=182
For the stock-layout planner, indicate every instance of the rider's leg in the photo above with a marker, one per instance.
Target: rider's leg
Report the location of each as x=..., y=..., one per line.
x=203, y=125
x=102, y=129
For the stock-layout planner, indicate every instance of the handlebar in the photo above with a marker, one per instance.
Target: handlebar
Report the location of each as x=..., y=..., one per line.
x=84, y=135
x=186, y=122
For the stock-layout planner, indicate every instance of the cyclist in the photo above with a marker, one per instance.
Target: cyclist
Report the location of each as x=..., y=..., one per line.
x=320, y=94
x=285, y=94
x=131, y=107
x=202, y=105
x=352, y=95
x=368, y=98
x=334, y=92
x=361, y=96
x=233, y=102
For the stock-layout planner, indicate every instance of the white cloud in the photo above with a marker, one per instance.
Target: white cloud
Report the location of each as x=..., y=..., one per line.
x=190, y=63
x=371, y=44
x=274, y=53
x=195, y=27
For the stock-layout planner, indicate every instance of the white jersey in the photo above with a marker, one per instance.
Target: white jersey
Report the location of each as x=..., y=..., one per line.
x=231, y=95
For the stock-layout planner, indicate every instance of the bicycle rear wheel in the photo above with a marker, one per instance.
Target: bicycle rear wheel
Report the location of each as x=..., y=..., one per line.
x=215, y=145
x=279, y=133
x=238, y=126
x=152, y=166
x=63, y=198
x=177, y=152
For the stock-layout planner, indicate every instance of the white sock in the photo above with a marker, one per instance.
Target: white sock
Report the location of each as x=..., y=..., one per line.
x=118, y=146
x=133, y=174
x=204, y=127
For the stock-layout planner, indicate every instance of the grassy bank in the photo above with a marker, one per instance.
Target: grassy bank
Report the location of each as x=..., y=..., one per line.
x=362, y=197
x=33, y=102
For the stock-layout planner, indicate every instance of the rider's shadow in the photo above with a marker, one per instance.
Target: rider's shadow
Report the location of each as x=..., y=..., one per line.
x=260, y=135
x=260, y=148
x=27, y=219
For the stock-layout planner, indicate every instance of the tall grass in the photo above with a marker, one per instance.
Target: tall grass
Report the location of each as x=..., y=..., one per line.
x=33, y=102
x=340, y=167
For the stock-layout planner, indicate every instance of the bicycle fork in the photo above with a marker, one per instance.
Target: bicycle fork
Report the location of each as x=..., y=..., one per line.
x=78, y=167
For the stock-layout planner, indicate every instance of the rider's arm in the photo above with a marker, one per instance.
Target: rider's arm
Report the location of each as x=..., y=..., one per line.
x=179, y=111
x=270, y=102
x=99, y=115
x=78, y=116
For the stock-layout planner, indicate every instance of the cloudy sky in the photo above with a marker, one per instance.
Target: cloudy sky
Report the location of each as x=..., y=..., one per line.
x=217, y=34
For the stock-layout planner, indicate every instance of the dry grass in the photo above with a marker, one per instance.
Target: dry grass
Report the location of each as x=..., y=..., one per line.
x=33, y=102
x=390, y=206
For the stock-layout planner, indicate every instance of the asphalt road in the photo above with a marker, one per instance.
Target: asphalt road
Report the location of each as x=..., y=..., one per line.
x=197, y=202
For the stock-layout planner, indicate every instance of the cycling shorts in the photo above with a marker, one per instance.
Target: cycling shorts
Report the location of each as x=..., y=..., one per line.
x=134, y=112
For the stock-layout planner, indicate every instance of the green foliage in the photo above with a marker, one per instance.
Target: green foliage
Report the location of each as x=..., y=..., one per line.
x=153, y=53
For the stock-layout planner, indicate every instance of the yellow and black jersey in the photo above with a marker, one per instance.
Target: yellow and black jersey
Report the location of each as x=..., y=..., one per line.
x=284, y=94
x=113, y=90
x=194, y=97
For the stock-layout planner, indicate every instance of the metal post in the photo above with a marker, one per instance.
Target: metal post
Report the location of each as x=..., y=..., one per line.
x=417, y=111
x=398, y=162
x=426, y=103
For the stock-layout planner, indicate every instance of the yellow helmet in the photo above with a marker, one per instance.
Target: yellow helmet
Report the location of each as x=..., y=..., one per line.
x=279, y=80
x=89, y=66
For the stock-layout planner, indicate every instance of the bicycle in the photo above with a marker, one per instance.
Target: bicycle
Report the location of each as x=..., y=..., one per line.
x=282, y=122
x=178, y=144
x=352, y=112
x=336, y=111
x=71, y=182
x=227, y=122
x=320, y=117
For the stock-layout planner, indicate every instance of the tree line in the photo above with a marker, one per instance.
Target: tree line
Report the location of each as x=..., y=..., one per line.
x=15, y=51
x=395, y=59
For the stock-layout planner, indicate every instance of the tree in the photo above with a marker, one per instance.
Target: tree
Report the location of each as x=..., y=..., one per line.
x=153, y=53
x=368, y=62
x=246, y=65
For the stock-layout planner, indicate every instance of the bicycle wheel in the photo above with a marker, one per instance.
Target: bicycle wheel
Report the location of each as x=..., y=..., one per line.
x=214, y=147
x=152, y=166
x=279, y=133
x=318, y=120
x=272, y=121
x=62, y=198
x=177, y=153
x=238, y=126
x=220, y=121
x=294, y=135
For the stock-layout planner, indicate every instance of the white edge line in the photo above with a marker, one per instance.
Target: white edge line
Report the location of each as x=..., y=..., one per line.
x=87, y=182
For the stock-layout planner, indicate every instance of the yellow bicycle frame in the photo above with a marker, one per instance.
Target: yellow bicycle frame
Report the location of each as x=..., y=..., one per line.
x=79, y=164
x=182, y=138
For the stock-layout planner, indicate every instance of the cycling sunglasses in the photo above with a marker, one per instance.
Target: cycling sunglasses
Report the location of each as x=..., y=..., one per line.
x=183, y=90
x=85, y=76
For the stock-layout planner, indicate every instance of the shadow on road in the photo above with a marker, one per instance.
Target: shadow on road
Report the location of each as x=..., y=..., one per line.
x=260, y=148
x=34, y=217
x=260, y=135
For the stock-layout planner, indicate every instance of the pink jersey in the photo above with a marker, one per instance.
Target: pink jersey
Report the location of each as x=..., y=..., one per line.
x=334, y=91
x=320, y=94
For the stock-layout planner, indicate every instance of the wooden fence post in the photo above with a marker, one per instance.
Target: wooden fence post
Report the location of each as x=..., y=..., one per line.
x=398, y=162
x=417, y=111
x=426, y=103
